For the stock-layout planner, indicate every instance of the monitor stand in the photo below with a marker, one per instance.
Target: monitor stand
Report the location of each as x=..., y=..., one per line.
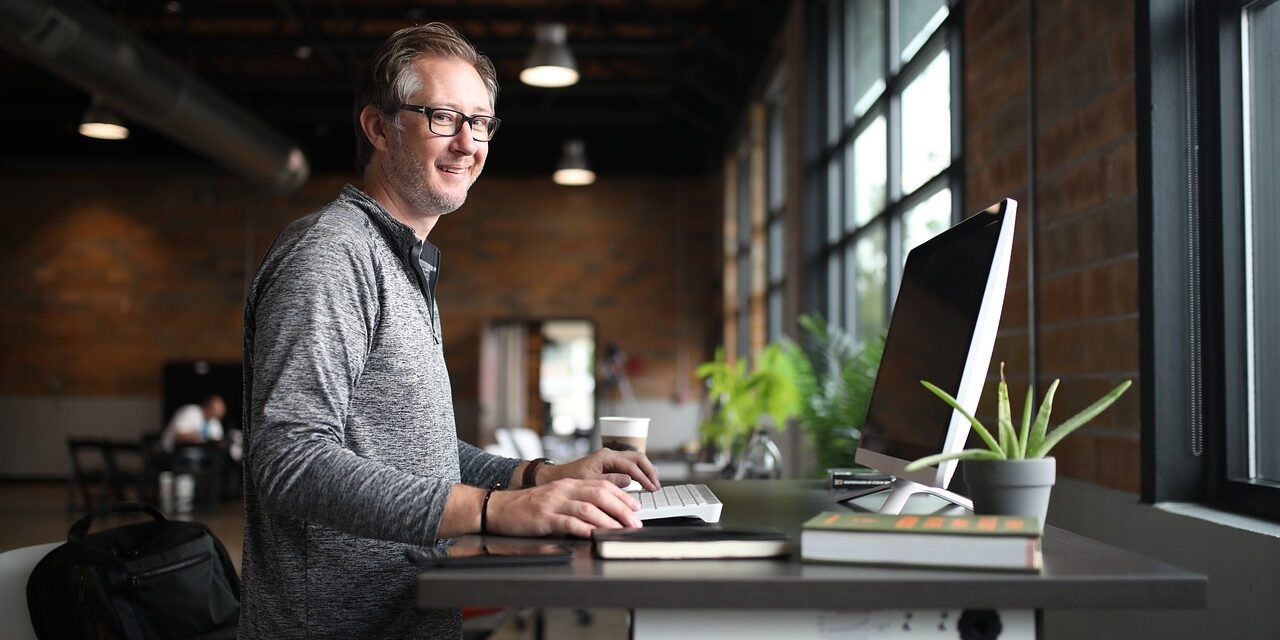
x=900, y=490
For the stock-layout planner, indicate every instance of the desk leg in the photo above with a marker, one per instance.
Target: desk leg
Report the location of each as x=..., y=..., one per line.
x=653, y=624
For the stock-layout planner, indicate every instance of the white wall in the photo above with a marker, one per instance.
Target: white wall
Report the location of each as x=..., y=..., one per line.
x=1241, y=557
x=33, y=435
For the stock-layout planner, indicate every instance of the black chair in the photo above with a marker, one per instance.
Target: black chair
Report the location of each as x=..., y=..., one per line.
x=84, y=476
x=98, y=485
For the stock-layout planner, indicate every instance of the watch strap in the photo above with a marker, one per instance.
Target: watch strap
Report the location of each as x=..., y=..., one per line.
x=530, y=477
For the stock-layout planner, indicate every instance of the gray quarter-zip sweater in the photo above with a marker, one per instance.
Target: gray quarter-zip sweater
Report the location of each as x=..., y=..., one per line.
x=351, y=448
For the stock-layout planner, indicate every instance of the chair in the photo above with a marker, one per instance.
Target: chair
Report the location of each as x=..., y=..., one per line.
x=15, y=569
x=505, y=445
x=108, y=474
x=83, y=476
x=527, y=442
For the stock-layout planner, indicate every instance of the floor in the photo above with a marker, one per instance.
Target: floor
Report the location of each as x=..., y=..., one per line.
x=36, y=513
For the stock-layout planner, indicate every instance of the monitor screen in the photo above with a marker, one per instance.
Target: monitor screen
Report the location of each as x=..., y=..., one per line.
x=942, y=330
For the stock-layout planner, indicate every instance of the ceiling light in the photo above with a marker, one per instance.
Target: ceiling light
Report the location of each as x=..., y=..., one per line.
x=574, y=170
x=550, y=62
x=103, y=123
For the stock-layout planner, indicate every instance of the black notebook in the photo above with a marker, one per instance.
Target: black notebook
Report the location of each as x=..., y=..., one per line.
x=677, y=543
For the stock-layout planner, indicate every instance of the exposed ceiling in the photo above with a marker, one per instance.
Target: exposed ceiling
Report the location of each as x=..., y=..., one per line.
x=663, y=81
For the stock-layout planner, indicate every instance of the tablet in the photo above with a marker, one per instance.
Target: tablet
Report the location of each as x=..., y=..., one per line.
x=491, y=554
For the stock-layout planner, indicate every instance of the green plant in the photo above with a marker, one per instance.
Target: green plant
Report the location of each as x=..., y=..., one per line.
x=834, y=375
x=742, y=397
x=1032, y=440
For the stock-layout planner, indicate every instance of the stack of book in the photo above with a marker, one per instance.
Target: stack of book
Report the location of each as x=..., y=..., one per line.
x=968, y=542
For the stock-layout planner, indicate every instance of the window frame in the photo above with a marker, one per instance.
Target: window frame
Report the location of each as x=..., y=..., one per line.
x=775, y=199
x=832, y=140
x=1198, y=188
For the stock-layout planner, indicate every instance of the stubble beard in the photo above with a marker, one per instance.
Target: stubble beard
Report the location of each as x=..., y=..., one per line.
x=408, y=174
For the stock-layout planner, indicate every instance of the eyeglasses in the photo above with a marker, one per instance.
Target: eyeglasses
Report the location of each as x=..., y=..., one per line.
x=447, y=122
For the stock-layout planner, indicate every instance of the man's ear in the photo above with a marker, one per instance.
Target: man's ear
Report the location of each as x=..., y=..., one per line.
x=374, y=127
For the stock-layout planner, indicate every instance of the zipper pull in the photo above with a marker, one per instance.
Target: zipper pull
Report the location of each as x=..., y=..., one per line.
x=81, y=590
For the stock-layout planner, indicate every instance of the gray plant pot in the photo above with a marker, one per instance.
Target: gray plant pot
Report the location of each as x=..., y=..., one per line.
x=1011, y=487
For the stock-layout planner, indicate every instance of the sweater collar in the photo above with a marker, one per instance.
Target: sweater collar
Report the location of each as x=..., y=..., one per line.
x=399, y=234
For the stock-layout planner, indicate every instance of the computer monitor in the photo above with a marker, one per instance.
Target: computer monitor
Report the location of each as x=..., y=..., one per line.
x=943, y=330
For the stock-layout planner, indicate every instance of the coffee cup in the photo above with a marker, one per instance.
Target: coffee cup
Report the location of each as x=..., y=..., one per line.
x=623, y=433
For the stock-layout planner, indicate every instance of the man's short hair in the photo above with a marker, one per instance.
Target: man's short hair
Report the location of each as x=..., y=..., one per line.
x=389, y=79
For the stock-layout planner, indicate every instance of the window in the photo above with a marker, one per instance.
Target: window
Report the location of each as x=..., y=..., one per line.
x=1250, y=271
x=889, y=147
x=744, y=249
x=776, y=199
x=1259, y=456
x=1211, y=419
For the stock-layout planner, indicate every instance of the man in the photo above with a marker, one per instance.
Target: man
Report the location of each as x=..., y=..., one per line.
x=352, y=453
x=195, y=424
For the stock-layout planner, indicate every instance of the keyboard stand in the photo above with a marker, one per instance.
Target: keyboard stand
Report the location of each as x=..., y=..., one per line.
x=900, y=491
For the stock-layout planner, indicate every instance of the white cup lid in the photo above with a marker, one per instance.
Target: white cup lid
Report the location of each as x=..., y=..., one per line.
x=623, y=427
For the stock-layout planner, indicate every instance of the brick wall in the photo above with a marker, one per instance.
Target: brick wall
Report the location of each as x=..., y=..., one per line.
x=104, y=277
x=1072, y=305
x=609, y=253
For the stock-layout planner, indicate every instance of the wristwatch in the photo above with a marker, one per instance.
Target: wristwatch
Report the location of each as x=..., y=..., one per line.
x=530, y=477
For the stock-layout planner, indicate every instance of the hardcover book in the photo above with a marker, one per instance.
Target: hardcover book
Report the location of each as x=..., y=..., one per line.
x=969, y=542
x=677, y=543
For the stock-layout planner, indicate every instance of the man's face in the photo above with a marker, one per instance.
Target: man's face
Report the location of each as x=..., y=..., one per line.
x=430, y=171
x=215, y=408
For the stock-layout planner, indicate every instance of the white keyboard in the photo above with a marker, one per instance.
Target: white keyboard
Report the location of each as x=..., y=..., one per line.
x=671, y=501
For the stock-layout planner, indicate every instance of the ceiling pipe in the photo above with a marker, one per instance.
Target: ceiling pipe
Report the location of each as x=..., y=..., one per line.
x=87, y=48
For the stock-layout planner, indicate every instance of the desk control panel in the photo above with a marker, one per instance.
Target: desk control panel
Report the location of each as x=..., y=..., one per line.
x=930, y=624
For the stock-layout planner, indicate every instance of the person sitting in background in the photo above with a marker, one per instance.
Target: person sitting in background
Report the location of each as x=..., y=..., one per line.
x=195, y=424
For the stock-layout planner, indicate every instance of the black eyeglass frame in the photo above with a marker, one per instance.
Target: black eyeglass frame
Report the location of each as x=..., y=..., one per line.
x=426, y=112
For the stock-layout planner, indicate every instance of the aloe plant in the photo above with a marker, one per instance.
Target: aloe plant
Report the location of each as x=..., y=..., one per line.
x=1031, y=440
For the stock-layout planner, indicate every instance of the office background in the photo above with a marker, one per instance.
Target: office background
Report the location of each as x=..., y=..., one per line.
x=112, y=265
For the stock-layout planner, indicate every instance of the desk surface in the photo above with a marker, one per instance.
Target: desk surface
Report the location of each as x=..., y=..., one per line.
x=1079, y=573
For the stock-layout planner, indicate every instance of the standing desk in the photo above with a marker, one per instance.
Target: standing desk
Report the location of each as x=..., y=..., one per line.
x=762, y=598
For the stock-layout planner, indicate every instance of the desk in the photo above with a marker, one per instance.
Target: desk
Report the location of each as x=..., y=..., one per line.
x=1079, y=573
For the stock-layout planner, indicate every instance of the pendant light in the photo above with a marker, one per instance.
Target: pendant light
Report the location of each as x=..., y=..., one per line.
x=102, y=122
x=574, y=170
x=550, y=62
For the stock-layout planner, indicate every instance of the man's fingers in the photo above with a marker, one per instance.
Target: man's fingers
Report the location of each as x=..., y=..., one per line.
x=574, y=526
x=615, y=503
x=594, y=516
x=637, y=466
x=620, y=480
x=650, y=472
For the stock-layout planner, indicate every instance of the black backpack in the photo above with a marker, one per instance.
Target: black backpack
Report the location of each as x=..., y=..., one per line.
x=157, y=579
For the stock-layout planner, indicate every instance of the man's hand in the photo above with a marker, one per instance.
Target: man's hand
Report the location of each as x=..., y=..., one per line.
x=575, y=507
x=618, y=467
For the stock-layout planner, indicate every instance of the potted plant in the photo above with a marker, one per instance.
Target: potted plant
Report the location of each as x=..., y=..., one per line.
x=834, y=375
x=742, y=398
x=1014, y=475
